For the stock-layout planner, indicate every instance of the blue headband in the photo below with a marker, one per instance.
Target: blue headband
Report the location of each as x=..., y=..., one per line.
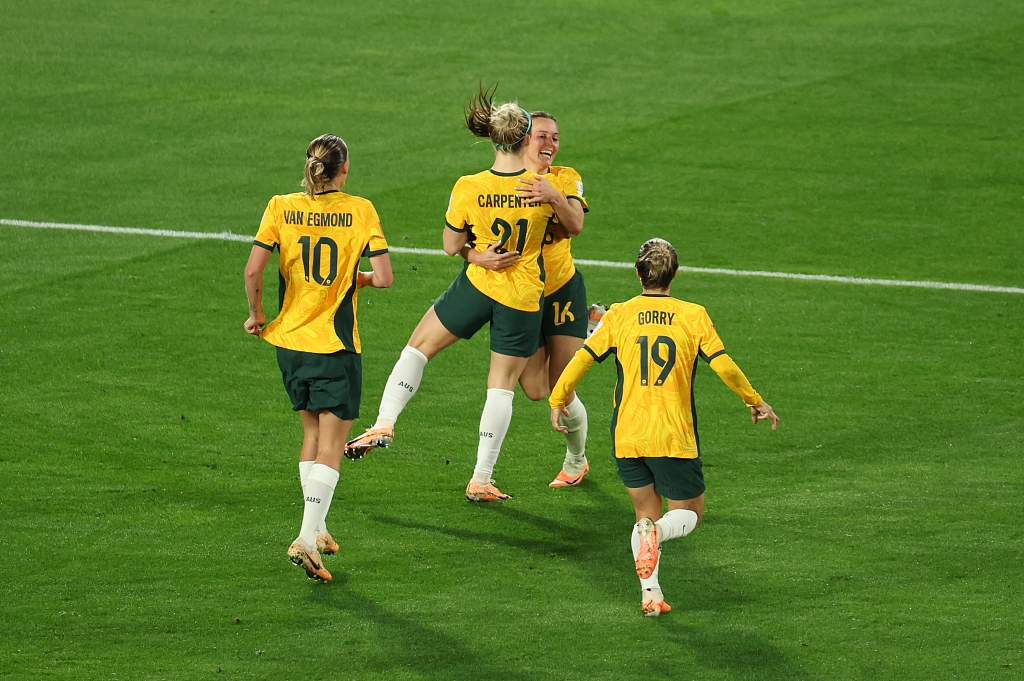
x=529, y=126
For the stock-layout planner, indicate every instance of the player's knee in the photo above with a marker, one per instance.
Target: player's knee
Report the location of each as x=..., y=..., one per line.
x=536, y=392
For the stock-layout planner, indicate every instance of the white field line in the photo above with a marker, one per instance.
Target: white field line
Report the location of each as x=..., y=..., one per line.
x=229, y=236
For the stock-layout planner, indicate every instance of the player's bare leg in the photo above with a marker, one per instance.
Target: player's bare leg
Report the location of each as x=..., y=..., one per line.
x=319, y=490
x=560, y=350
x=497, y=414
x=534, y=379
x=429, y=338
x=653, y=529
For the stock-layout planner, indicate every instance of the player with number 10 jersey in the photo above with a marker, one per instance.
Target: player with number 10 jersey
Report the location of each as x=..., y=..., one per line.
x=320, y=243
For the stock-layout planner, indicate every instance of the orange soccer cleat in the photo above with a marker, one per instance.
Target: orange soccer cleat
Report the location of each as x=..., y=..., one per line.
x=563, y=479
x=655, y=608
x=309, y=560
x=488, y=492
x=647, y=557
x=597, y=311
x=382, y=437
x=326, y=545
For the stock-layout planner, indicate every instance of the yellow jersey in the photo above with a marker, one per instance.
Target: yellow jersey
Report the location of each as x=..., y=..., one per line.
x=320, y=243
x=487, y=204
x=656, y=340
x=558, y=264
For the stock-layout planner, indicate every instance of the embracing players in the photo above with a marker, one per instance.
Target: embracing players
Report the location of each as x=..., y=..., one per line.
x=488, y=211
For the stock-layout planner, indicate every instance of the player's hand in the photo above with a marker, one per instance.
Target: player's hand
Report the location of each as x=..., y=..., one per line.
x=763, y=411
x=255, y=323
x=555, y=414
x=491, y=259
x=538, y=189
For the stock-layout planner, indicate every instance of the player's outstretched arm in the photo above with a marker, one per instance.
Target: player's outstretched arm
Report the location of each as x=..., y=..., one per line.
x=566, y=384
x=733, y=377
x=258, y=259
x=764, y=411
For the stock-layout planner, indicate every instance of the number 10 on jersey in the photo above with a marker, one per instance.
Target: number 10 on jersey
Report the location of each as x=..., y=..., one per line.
x=317, y=249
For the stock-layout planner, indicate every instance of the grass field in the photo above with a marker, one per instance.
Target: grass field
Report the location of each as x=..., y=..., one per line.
x=147, y=448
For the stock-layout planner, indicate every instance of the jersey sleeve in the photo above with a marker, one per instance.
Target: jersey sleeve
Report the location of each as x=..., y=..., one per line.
x=457, y=215
x=602, y=342
x=269, y=234
x=711, y=345
x=377, y=245
x=572, y=186
x=570, y=378
x=735, y=379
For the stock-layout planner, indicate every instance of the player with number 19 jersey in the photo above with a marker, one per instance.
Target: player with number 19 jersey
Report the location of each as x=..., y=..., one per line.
x=487, y=204
x=320, y=245
x=656, y=341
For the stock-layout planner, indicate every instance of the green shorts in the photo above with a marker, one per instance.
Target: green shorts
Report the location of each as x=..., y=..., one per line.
x=331, y=382
x=676, y=479
x=463, y=310
x=565, y=310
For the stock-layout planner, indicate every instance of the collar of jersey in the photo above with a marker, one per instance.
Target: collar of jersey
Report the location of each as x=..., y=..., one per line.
x=518, y=172
x=330, y=191
x=655, y=295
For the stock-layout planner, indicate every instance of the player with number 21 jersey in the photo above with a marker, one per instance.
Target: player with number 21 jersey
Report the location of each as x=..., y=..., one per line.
x=487, y=204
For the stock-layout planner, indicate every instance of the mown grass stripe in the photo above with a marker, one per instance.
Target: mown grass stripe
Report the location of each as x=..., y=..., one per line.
x=230, y=236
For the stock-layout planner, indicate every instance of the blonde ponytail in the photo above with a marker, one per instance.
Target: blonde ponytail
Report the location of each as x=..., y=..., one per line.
x=506, y=125
x=324, y=158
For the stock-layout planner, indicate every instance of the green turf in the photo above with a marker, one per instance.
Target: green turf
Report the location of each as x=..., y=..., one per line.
x=148, y=449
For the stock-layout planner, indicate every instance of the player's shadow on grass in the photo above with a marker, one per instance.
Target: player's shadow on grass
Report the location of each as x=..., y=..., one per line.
x=408, y=644
x=739, y=654
x=597, y=543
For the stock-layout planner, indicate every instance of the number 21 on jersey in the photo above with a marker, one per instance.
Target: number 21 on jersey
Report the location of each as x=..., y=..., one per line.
x=504, y=232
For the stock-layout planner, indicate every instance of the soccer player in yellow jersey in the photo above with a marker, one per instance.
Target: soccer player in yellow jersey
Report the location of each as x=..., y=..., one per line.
x=321, y=235
x=564, y=325
x=487, y=206
x=656, y=341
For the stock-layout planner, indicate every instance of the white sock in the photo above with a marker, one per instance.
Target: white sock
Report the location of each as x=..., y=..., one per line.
x=304, y=468
x=494, y=422
x=576, y=439
x=402, y=384
x=650, y=589
x=675, y=524
x=319, y=491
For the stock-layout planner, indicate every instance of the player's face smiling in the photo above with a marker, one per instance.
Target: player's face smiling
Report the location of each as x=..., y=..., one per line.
x=543, y=142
